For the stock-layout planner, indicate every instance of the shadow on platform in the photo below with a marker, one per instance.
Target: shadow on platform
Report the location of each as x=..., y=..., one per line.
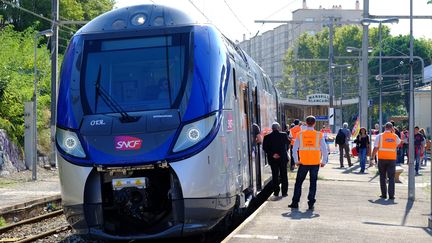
x=383, y=201
x=426, y=229
x=297, y=214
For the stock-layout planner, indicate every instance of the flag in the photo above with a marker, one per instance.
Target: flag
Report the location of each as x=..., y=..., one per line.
x=356, y=128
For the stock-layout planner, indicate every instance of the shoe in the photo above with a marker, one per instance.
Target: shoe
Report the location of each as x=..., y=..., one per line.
x=285, y=195
x=293, y=205
x=342, y=166
x=311, y=207
x=362, y=172
x=418, y=174
x=383, y=197
x=391, y=198
x=276, y=194
x=350, y=165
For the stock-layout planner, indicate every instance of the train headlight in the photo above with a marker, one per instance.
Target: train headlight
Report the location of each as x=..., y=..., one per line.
x=138, y=19
x=194, y=132
x=68, y=141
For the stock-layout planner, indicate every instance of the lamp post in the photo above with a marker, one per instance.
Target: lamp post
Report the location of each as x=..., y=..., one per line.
x=351, y=49
x=379, y=77
x=341, y=66
x=47, y=33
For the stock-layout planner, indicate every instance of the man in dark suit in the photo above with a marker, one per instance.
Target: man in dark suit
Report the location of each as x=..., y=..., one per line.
x=276, y=145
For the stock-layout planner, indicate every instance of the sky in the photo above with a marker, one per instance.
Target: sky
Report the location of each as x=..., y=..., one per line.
x=240, y=21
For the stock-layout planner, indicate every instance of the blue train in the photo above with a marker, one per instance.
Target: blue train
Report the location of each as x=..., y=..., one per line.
x=154, y=128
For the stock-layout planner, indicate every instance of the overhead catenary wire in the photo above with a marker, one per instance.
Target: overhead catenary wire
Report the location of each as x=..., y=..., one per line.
x=235, y=15
x=275, y=12
x=199, y=10
x=34, y=14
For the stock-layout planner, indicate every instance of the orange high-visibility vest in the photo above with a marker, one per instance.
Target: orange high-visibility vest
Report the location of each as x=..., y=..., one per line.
x=387, y=146
x=309, y=148
x=294, y=133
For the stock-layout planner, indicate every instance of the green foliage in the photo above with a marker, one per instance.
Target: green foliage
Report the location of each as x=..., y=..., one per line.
x=17, y=31
x=68, y=10
x=302, y=78
x=17, y=79
x=2, y=222
x=306, y=77
x=94, y=8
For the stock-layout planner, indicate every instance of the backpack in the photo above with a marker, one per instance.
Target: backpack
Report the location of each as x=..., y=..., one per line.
x=340, y=137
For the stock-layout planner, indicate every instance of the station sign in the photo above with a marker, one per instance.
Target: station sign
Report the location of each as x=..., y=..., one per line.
x=321, y=118
x=318, y=98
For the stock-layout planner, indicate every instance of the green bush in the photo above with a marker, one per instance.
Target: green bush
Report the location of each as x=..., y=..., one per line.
x=2, y=222
x=17, y=80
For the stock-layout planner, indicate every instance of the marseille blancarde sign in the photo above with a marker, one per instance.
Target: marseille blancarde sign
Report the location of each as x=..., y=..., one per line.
x=318, y=98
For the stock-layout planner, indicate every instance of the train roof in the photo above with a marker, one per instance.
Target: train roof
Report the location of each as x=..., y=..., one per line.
x=136, y=18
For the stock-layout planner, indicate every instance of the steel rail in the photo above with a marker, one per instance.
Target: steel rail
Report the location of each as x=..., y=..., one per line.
x=31, y=220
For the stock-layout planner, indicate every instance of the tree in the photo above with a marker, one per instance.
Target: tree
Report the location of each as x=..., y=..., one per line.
x=68, y=10
x=306, y=77
x=395, y=89
x=16, y=82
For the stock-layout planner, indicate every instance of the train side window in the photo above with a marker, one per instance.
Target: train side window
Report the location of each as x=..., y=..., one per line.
x=235, y=83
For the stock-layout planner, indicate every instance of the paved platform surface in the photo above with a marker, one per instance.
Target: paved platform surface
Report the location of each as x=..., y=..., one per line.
x=348, y=209
x=19, y=189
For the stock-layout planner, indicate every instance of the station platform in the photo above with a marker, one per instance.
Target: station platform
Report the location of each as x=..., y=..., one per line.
x=348, y=209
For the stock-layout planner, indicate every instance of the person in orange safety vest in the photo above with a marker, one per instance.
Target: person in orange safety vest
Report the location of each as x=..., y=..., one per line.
x=294, y=131
x=386, y=145
x=312, y=152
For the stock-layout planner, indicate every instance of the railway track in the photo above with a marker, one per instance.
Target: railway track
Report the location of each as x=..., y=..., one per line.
x=52, y=227
x=35, y=228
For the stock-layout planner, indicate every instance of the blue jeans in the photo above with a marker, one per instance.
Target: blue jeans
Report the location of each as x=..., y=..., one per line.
x=362, y=156
x=301, y=175
x=417, y=161
x=400, y=155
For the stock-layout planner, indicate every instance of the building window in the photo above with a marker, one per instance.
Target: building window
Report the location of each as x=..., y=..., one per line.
x=309, y=19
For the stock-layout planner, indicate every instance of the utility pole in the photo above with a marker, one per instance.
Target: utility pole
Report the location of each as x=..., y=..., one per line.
x=411, y=172
x=331, y=62
x=380, y=78
x=54, y=78
x=365, y=70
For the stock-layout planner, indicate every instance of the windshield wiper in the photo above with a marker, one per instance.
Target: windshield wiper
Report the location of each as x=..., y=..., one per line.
x=109, y=100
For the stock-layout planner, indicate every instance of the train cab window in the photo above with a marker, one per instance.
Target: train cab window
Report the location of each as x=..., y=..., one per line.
x=138, y=74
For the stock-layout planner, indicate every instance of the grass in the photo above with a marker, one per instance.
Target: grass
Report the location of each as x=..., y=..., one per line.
x=2, y=222
x=6, y=183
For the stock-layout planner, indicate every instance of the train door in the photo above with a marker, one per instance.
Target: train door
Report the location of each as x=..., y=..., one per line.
x=247, y=109
x=256, y=147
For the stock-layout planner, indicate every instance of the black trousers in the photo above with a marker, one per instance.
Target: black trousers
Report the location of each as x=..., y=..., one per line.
x=292, y=163
x=279, y=169
x=301, y=176
x=387, y=168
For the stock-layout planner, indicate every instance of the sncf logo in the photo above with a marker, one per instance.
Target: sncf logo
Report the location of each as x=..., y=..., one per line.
x=127, y=143
x=390, y=140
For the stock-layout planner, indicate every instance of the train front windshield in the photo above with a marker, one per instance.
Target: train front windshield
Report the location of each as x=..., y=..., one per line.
x=137, y=74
